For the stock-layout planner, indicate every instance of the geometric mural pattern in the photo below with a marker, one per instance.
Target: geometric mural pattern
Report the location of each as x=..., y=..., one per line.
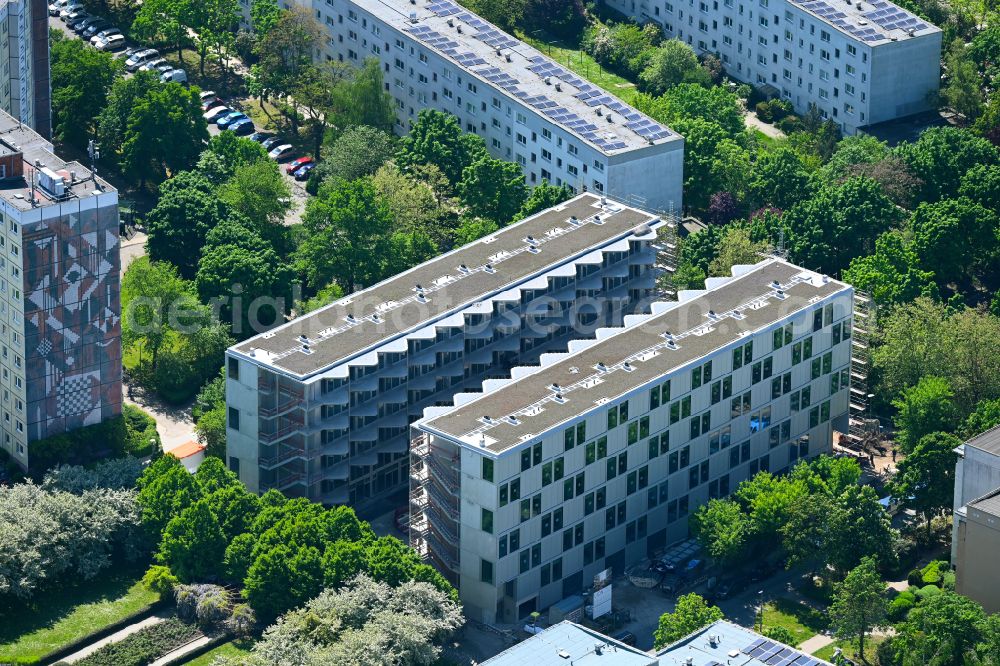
x=72, y=318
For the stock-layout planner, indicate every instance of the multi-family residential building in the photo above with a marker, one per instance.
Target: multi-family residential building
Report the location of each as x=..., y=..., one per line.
x=24, y=63
x=528, y=109
x=60, y=329
x=522, y=494
x=976, y=527
x=861, y=62
x=718, y=643
x=321, y=407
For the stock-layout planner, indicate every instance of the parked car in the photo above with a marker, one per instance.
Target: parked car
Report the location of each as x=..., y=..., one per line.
x=103, y=35
x=282, y=152
x=217, y=112
x=241, y=127
x=226, y=121
x=626, y=637
x=294, y=165
x=77, y=17
x=261, y=137
x=302, y=173
x=137, y=60
x=206, y=95
x=173, y=76
x=95, y=27
x=211, y=103
x=270, y=142
x=68, y=9
x=153, y=64
x=112, y=43
x=57, y=6
x=82, y=27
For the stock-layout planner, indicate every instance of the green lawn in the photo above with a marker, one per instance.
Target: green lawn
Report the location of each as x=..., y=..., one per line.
x=804, y=622
x=238, y=648
x=581, y=63
x=850, y=649
x=58, y=617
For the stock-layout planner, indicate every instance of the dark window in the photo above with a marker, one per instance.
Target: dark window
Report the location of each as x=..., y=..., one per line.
x=630, y=484
x=546, y=524
x=487, y=521
x=612, y=468
x=234, y=368
x=581, y=431
x=525, y=510
x=570, y=438
x=644, y=426
x=525, y=459
x=558, y=468
x=486, y=571
x=557, y=519
x=487, y=470
x=817, y=320
x=591, y=453
x=536, y=453
x=546, y=474
x=536, y=504
x=643, y=476
x=612, y=418
x=524, y=560
x=580, y=483
x=502, y=546
x=234, y=418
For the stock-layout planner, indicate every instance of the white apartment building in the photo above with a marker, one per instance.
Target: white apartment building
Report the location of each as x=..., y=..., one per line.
x=528, y=109
x=321, y=407
x=521, y=494
x=24, y=63
x=860, y=62
x=60, y=313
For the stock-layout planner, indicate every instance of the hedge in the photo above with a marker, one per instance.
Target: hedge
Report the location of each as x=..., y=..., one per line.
x=103, y=632
x=144, y=646
x=128, y=433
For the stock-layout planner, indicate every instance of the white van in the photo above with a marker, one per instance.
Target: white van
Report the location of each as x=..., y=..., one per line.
x=174, y=76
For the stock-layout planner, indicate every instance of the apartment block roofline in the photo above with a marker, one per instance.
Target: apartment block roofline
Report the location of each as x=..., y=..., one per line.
x=988, y=441
x=597, y=372
x=872, y=22
x=569, y=644
x=723, y=642
x=518, y=71
x=429, y=293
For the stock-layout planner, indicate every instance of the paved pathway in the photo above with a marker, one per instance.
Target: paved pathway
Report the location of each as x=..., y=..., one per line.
x=182, y=650
x=753, y=122
x=117, y=636
x=132, y=249
x=816, y=643
x=174, y=423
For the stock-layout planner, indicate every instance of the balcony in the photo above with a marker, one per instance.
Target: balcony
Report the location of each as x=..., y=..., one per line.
x=281, y=433
x=271, y=462
x=284, y=483
x=271, y=412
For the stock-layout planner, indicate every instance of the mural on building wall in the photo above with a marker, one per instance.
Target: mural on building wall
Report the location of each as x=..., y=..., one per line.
x=72, y=321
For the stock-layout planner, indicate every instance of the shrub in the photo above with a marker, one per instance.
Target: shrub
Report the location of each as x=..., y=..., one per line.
x=789, y=124
x=243, y=621
x=948, y=581
x=144, y=646
x=915, y=578
x=780, y=109
x=140, y=431
x=159, y=579
x=901, y=605
x=764, y=113
x=209, y=605
x=933, y=572
x=780, y=634
x=116, y=474
x=927, y=591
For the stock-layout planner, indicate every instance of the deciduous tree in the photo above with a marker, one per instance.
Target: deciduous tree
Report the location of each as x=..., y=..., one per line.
x=493, y=189
x=690, y=614
x=82, y=78
x=928, y=406
x=859, y=604
x=925, y=481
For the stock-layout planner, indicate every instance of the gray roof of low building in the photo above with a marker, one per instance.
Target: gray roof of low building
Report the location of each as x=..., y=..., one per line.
x=482, y=50
x=498, y=262
x=988, y=441
x=724, y=643
x=569, y=644
x=989, y=503
x=635, y=356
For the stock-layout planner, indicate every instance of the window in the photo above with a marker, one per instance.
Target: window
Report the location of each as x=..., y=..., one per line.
x=486, y=571
x=234, y=368
x=570, y=437
x=612, y=418
x=525, y=460
x=487, y=470
x=525, y=510
x=234, y=418
x=486, y=521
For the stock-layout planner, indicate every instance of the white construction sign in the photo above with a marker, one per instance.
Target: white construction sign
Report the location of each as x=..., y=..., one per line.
x=602, y=593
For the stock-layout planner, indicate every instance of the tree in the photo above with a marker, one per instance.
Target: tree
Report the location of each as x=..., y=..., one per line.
x=264, y=15
x=722, y=529
x=782, y=179
x=560, y=18
x=927, y=407
x=962, y=91
x=952, y=236
x=285, y=51
x=235, y=152
x=211, y=431
x=187, y=209
x=235, y=508
x=214, y=23
x=981, y=184
x=942, y=155
x=672, y=64
x=943, y=626
x=364, y=100
x=282, y=578
x=162, y=21
x=473, y=229
x=838, y=224
x=735, y=247
x=356, y=153
x=193, y=543
x=125, y=95
x=892, y=274
x=259, y=193
x=859, y=604
x=925, y=481
x=542, y=197
x=493, y=189
x=348, y=230
x=155, y=300
x=806, y=535
x=985, y=416
x=702, y=139
x=164, y=134
x=166, y=488
x=690, y=614
x=437, y=138
x=263, y=280
x=505, y=14
x=691, y=100
x=860, y=529
x=82, y=78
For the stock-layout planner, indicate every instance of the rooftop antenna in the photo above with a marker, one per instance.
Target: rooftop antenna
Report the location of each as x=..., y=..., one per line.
x=94, y=153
